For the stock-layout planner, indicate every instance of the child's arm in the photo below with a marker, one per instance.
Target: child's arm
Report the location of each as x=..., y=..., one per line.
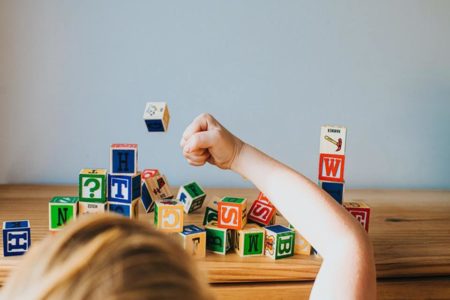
x=348, y=269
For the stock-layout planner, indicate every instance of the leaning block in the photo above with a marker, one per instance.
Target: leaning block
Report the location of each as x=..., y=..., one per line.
x=360, y=210
x=331, y=167
x=124, y=188
x=334, y=189
x=16, y=237
x=123, y=159
x=192, y=196
x=262, y=212
x=129, y=210
x=211, y=210
x=218, y=240
x=193, y=240
x=155, y=187
x=168, y=215
x=91, y=207
x=302, y=246
x=250, y=241
x=61, y=210
x=232, y=213
x=156, y=116
x=280, y=241
x=92, y=185
x=333, y=139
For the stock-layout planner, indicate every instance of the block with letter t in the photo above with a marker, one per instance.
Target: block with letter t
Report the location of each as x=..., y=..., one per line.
x=61, y=211
x=280, y=241
x=168, y=215
x=360, y=210
x=262, y=211
x=124, y=159
x=129, y=210
x=218, y=240
x=16, y=237
x=192, y=196
x=92, y=185
x=249, y=241
x=232, y=213
x=124, y=188
x=156, y=116
x=91, y=207
x=193, y=240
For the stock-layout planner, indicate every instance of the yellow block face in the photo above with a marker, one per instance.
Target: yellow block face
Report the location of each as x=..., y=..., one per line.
x=94, y=171
x=170, y=217
x=195, y=244
x=302, y=246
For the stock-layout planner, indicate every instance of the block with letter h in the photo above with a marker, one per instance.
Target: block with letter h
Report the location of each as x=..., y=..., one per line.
x=232, y=213
x=218, y=240
x=193, y=240
x=280, y=241
x=169, y=215
x=192, y=196
x=360, y=210
x=249, y=241
x=262, y=211
x=16, y=237
x=61, y=211
x=124, y=159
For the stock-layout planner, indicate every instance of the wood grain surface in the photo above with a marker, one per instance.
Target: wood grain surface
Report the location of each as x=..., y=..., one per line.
x=410, y=231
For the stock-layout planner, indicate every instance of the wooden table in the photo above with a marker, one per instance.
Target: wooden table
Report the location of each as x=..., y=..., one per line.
x=410, y=231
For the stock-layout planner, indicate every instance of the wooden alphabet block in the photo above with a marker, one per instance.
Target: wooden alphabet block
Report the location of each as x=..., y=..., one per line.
x=280, y=241
x=194, y=240
x=218, y=240
x=147, y=173
x=124, y=159
x=302, y=246
x=156, y=116
x=92, y=185
x=249, y=241
x=360, y=210
x=124, y=188
x=192, y=196
x=263, y=198
x=91, y=207
x=334, y=189
x=129, y=210
x=232, y=213
x=169, y=215
x=61, y=210
x=331, y=167
x=16, y=237
x=332, y=140
x=211, y=210
x=262, y=212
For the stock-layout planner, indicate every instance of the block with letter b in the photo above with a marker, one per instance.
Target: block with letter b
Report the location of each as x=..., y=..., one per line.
x=262, y=211
x=129, y=210
x=169, y=215
x=193, y=240
x=218, y=240
x=280, y=241
x=156, y=116
x=16, y=237
x=360, y=210
x=302, y=246
x=249, y=241
x=232, y=213
x=192, y=196
x=124, y=159
x=61, y=211
x=124, y=188
x=334, y=189
x=333, y=139
x=331, y=167
x=92, y=185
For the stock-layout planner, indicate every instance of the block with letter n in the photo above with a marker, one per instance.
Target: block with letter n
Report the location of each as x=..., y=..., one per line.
x=124, y=188
x=262, y=211
x=168, y=215
x=16, y=237
x=192, y=196
x=61, y=211
x=232, y=213
x=218, y=240
x=249, y=241
x=193, y=239
x=92, y=185
x=124, y=159
x=280, y=241
x=360, y=210
x=331, y=167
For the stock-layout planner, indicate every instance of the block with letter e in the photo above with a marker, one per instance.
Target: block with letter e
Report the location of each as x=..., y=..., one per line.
x=218, y=240
x=16, y=237
x=249, y=241
x=193, y=240
x=168, y=215
x=280, y=241
x=232, y=213
x=124, y=159
x=61, y=211
x=360, y=210
x=92, y=185
x=331, y=167
x=124, y=188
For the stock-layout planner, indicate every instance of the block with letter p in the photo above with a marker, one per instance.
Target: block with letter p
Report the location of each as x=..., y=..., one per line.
x=360, y=210
x=280, y=241
x=92, y=185
x=16, y=237
x=232, y=213
x=61, y=211
x=124, y=188
x=192, y=196
x=249, y=241
x=194, y=240
x=123, y=159
x=169, y=215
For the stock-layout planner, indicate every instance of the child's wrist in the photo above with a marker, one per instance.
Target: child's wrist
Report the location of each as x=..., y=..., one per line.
x=236, y=163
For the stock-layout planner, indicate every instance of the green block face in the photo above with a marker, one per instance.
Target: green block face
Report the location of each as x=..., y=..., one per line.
x=60, y=214
x=155, y=215
x=197, y=203
x=194, y=190
x=92, y=188
x=62, y=200
x=285, y=244
x=215, y=240
x=210, y=215
x=253, y=243
x=233, y=200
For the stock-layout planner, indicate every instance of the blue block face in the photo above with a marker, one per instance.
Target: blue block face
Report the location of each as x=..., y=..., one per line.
x=146, y=199
x=278, y=228
x=154, y=125
x=16, y=240
x=123, y=161
x=124, y=188
x=119, y=208
x=191, y=229
x=16, y=224
x=334, y=189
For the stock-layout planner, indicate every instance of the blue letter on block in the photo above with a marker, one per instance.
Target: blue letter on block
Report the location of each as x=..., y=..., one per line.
x=119, y=188
x=16, y=237
x=123, y=161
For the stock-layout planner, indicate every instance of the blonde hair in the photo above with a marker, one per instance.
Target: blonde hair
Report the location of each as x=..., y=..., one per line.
x=106, y=257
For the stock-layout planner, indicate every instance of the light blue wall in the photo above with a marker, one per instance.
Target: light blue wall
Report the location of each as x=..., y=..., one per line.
x=75, y=76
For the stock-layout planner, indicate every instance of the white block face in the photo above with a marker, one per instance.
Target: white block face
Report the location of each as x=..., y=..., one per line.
x=333, y=140
x=91, y=208
x=270, y=244
x=184, y=197
x=86, y=189
x=154, y=110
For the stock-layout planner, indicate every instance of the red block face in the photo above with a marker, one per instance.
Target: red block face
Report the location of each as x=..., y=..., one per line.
x=360, y=211
x=331, y=167
x=229, y=216
x=263, y=198
x=261, y=212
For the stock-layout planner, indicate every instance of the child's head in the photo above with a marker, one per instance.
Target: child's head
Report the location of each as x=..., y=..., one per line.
x=106, y=257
